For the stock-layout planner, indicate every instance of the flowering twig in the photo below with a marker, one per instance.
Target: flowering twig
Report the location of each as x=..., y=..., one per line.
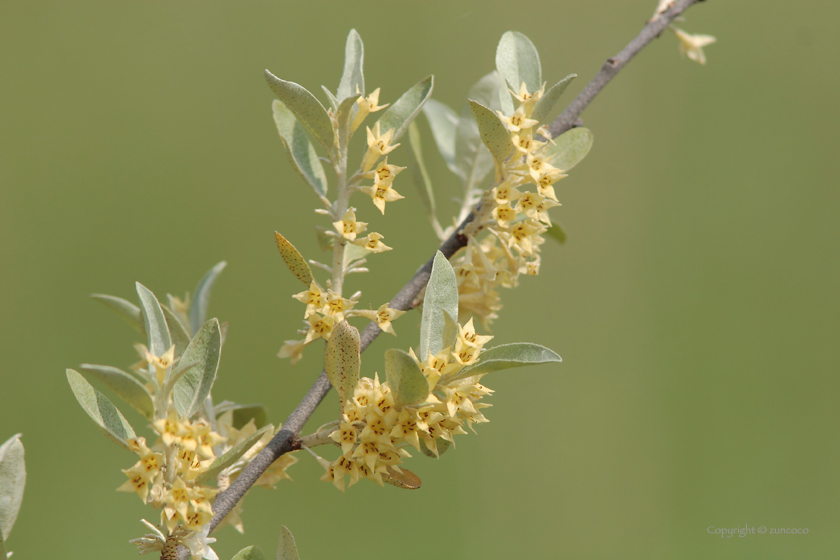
x=286, y=439
x=614, y=64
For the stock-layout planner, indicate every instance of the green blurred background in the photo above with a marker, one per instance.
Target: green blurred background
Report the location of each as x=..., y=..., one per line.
x=695, y=303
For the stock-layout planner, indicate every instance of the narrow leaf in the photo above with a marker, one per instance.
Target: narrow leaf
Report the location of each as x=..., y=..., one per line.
x=472, y=158
x=231, y=456
x=124, y=385
x=557, y=233
x=306, y=108
x=301, y=152
x=442, y=121
x=400, y=114
x=12, y=482
x=331, y=97
x=287, y=549
x=407, y=381
x=441, y=296
x=155, y=323
x=342, y=360
x=201, y=297
x=177, y=331
x=549, y=98
x=569, y=148
x=100, y=409
x=403, y=478
x=252, y=552
x=294, y=260
x=517, y=61
x=508, y=356
x=353, y=77
x=194, y=385
x=344, y=118
x=494, y=133
x=419, y=172
x=441, y=445
x=244, y=413
x=127, y=311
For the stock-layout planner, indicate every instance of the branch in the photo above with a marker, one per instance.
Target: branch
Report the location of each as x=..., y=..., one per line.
x=613, y=65
x=286, y=439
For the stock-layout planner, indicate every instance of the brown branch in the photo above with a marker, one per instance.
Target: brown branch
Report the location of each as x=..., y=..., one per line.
x=286, y=439
x=613, y=65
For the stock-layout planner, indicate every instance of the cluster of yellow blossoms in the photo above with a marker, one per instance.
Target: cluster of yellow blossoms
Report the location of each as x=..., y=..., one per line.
x=374, y=432
x=514, y=217
x=167, y=475
x=324, y=310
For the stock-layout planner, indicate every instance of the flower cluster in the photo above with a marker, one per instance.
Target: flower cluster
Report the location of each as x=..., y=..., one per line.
x=325, y=309
x=165, y=476
x=374, y=432
x=514, y=217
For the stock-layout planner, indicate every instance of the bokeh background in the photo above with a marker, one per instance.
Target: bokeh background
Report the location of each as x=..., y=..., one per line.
x=695, y=303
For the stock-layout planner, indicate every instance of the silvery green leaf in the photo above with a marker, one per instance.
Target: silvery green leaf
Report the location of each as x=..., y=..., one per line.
x=442, y=121
x=405, y=378
x=252, y=552
x=342, y=361
x=127, y=311
x=177, y=331
x=201, y=296
x=301, y=152
x=400, y=114
x=155, y=323
x=472, y=160
x=353, y=77
x=12, y=482
x=569, y=148
x=507, y=356
x=100, y=409
x=442, y=446
x=231, y=456
x=306, y=108
x=287, y=549
x=244, y=413
x=353, y=253
x=3, y=553
x=493, y=131
x=517, y=61
x=125, y=386
x=450, y=329
x=293, y=259
x=549, y=98
x=419, y=172
x=344, y=117
x=193, y=387
x=557, y=233
x=441, y=297
x=331, y=97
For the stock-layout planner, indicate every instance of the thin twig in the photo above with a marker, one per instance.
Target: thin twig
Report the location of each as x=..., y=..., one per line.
x=286, y=439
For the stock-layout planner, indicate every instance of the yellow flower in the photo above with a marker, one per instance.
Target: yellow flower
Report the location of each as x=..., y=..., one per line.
x=468, y=336
x=348, y=227
x=367, y=105
x=320, y=326
x=292, y=349
x=378, y=145
x=372, y=243
x=504, y=214
x=161, y=363
x=345, y=436
x=170, y=428
x=692, y=45
x=381, y=194
x=337, y=305
x=138, y=481
x=527, y=99
x=384, y=173
x=383, y=317
x=518, y=120
x=313, y=298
